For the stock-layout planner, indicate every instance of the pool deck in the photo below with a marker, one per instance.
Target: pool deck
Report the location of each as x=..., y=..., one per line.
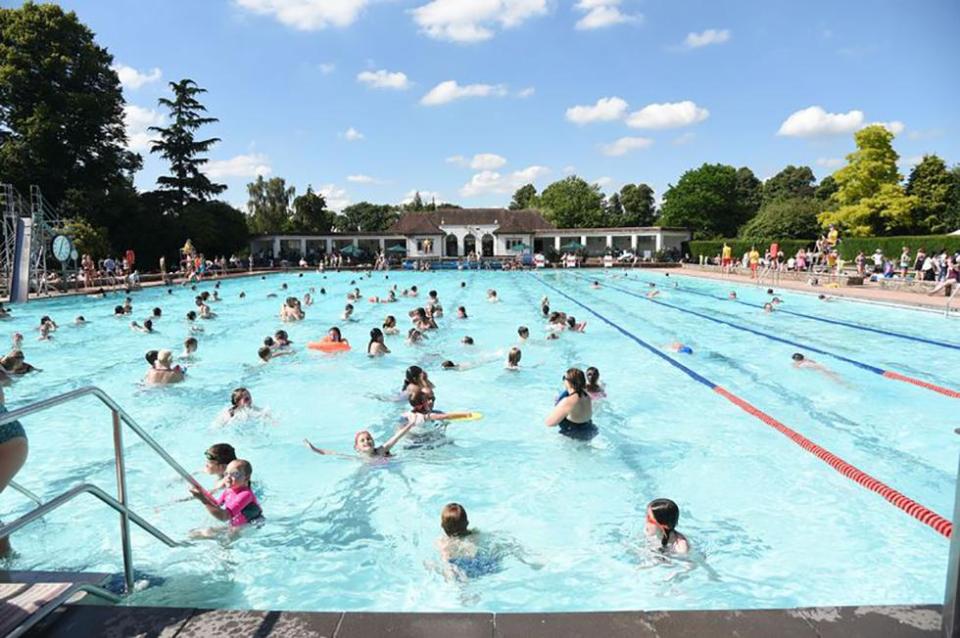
x=866, y=292
x=80, y=621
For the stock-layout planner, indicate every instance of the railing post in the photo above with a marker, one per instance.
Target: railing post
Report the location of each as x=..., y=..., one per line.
x=122, y=497
x=951, y=613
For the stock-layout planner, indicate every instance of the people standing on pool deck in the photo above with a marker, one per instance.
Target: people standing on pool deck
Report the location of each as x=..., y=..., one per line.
x=13, y=454
x=364, y=445
x=573, y=413
x=237, y=504
x=661, y=524
x=377, y=347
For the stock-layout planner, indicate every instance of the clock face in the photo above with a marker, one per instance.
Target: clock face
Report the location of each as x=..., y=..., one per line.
x=62, y=248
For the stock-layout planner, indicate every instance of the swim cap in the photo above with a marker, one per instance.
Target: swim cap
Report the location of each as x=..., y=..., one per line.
x=685, y=350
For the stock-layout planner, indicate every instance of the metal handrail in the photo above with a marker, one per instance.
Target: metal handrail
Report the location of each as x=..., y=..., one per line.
x=956, y=289
x=119, y=417
x=33, y=497
x=69, y=495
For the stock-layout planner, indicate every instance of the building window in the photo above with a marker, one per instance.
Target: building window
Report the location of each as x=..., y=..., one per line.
x=424, y=246
x=512, y=243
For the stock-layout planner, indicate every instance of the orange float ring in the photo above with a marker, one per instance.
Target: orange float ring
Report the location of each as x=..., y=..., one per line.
x=329, y=346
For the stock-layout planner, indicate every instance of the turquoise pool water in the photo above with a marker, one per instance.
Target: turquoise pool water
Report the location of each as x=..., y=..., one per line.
x=770, y=524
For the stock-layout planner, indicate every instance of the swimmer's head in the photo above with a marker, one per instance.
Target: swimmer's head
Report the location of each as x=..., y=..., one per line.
x=238, y=473
x=663, y=514
x=151, y=357
x=523, y=331
x=241, y=397
x=190, y=344
x=592, y=375
x=390, y=321
x=218, y=457
x=413, y=375
x=446, y=365
x=821, y=297
x=572, y=321
x=363, y=442
x=467, y=341
x=577, y=381
x=348, y=308
x=80, y=319
x=463, y=284
x=157, y=312
x=148, y=324
x=118, y=310
x=797, y=356
x=421, y=401
x=432, y=294
x=414, y=335
x=376, y=335
x=453, y=520
x=281, y=336
x=192, y=315
x=513, y=358
x=269, y=342
x=264, y=353
x=682, y=349
x=165, y=358
x=769, y=291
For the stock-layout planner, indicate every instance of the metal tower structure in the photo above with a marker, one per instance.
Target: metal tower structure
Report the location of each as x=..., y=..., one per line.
x=46, y=224
x=13, y=206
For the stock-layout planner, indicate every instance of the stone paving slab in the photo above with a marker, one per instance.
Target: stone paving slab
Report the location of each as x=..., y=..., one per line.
x=82, y=621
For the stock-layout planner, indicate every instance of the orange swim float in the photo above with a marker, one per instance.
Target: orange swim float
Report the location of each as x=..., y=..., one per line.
x=329, y=345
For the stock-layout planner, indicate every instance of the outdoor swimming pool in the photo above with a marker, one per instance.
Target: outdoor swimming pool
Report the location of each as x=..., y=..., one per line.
x=771, y=525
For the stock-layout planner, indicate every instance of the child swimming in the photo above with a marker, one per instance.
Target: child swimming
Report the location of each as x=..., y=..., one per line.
x=661, y=524
x=594, y=388
x=365, y=446
x=459, y=550
x=237, y=504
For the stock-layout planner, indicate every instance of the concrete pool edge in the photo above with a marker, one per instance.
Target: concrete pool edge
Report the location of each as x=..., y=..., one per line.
x=898, y=621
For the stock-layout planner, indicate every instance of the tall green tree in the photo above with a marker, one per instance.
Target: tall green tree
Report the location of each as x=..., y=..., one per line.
x=791, y=182
x=268, y=205
x=707, y=201
x=749, y=192
x=366, y=217
x=639, y=208
x=524, y=197
x=61, y=111
x=952, y=214
x=415, y=205
x=178, y=145
x=310, y=214
x=216, y=228
x=826, y=189
x=785, y=218
x=934, y=187
x=869, y=199
x=572, y=203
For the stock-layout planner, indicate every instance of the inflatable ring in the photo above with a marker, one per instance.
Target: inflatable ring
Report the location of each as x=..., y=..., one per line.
x=329, y=346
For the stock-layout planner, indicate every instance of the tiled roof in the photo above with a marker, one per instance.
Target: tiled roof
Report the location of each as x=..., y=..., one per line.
x=509, y=221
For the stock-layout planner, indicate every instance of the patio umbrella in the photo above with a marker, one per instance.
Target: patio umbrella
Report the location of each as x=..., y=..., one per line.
x=572, y=246
x=350, y=250
x=397, y=248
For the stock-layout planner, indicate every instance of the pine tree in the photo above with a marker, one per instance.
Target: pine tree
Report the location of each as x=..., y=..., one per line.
x=177, y=144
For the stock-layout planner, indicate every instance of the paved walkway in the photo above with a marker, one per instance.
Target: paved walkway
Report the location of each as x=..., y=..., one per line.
x=864, y=293
x=80, y=621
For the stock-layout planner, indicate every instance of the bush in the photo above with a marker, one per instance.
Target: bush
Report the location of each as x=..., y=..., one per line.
x=789, y=218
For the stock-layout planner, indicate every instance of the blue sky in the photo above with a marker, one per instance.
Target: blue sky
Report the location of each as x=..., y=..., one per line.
x=312, y=91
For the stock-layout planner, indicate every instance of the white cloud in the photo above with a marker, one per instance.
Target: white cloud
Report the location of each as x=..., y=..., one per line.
x=352, y=135
x=327, y=67
x=527, y=92
x=249, y=165
x=137, y=119
x=486, y=182
x=130, y=78
x=605, y=110
x=307, y=15
x=361, y=179
x=449, y=91
x=624, y=145
x=384, y=79
x=667, y=115
x=569, y=169
x=603, y=182
x=913, y=160
x=467, y=21
x=830, y=162
x=480, y=161
x=602, y=13
x=706, y=38
x=459, y=160
x=896, y=127
x=813, y=121
x=425, y=196
x=336, y=197
x=685, y=138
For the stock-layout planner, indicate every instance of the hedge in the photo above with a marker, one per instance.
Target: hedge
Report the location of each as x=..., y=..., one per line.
x=849, y=246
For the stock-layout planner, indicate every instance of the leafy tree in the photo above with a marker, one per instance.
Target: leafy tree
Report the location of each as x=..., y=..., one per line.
x=613, y=209
x=178, y=145
x=216, y=228
x=790, y=218
x=443, y=205
x=268, y=205
x=638, y=205
x=934, y=187
x=61, y=110
x=749, y=192
x=415, y=205
x=952, y=214
x=869, y=198
x=310, y=214
x=791, y=182
x=366, y=217
x=572, y=203
x=826, y=189
x=87, y=239
x=524, y=197
x=707, y=200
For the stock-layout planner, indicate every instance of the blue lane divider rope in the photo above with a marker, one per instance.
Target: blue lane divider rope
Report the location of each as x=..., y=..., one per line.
x=837, y=322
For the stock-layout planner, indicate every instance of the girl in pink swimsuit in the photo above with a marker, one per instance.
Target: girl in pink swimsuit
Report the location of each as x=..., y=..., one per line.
x=237, y=504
